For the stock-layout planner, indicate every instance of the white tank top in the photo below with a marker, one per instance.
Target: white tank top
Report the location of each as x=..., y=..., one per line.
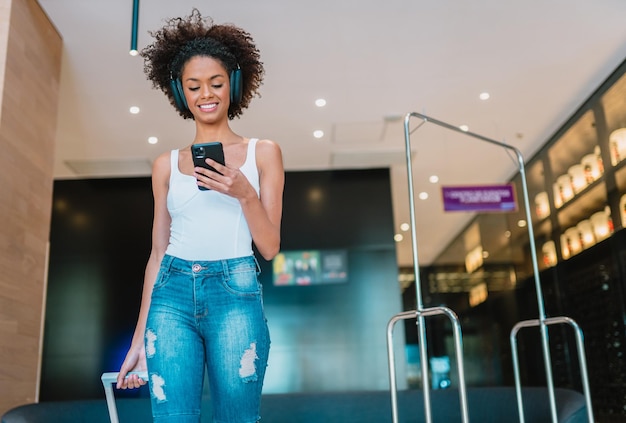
x=207, y=225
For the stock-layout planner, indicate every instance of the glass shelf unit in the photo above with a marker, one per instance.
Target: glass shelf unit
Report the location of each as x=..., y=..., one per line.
x=575, y=160
x=577, y=194
x=576, y=187
x=578, y=178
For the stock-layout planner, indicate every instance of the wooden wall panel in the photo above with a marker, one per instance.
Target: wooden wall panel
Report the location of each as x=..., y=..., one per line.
x=5, y=13
x=30, y=73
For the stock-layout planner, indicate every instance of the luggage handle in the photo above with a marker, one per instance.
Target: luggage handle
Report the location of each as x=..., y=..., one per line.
x=108, y=379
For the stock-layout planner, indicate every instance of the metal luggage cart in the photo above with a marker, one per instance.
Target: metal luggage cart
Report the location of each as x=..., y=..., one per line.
x=542, y=322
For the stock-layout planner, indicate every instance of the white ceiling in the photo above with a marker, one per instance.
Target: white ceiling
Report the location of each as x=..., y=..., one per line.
x=374, y=62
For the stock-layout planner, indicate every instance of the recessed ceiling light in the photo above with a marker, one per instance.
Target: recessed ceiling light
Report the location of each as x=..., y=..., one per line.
x=320, y=102
x=134, y=110
x=464, y=128
x=404, y=227
x=521, y=223
x=153, y=140
x=484, y=96
x=398, y=237
x=433, y=179
x=423, y=195
x=318, y=133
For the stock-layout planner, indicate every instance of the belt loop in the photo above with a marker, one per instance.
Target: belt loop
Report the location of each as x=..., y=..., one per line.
x=258, y=268
x=225, y=268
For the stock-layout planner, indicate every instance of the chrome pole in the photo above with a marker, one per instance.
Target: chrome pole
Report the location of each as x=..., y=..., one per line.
x=392, y=362
x=421, y=312
x=421, y=327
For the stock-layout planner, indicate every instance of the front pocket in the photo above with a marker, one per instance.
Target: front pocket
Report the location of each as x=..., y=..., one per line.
x=243, y=281
x=162, y=277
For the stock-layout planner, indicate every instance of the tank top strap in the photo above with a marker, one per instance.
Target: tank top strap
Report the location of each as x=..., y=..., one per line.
x=249, y=167
x=251, y=154
x=174, y=160
x=175, y=173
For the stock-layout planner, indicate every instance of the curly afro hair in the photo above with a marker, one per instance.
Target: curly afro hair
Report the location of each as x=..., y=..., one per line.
x=181, y=39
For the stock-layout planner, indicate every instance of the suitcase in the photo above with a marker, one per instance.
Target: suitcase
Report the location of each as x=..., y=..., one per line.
x=108, y=379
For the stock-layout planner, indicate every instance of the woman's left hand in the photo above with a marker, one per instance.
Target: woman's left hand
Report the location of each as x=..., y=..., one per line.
x=226, y=180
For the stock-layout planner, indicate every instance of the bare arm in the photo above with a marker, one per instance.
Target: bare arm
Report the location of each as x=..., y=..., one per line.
x=264, y=214
x=136, y=357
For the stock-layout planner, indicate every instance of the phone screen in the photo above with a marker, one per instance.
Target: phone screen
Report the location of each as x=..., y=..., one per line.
x=212, y=150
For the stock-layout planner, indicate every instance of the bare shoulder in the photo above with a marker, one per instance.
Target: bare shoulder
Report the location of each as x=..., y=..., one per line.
x=268, y=151
x=161, y=167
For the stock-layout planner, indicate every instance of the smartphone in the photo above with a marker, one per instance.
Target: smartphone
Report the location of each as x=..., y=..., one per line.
x=211, y=150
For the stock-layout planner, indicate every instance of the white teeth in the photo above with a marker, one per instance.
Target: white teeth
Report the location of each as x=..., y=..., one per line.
x=207, y=106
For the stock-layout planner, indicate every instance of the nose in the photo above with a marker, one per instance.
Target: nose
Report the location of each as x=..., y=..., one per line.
x=205, y=91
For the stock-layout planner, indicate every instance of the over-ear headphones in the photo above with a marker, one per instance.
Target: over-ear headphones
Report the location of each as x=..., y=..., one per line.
x=236, y=90
x=236, y=86
x=178, y=94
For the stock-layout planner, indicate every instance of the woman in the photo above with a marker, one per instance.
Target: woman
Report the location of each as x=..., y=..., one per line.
x=202, y=303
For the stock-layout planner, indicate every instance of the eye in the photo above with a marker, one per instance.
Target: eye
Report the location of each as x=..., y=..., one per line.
x=217, y=86
x=194, y=88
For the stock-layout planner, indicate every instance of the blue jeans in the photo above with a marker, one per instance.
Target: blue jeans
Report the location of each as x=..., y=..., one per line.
x=206, y=314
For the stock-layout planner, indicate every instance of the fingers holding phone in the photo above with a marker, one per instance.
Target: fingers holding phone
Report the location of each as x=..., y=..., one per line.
x=212, y=173
x=200, y=153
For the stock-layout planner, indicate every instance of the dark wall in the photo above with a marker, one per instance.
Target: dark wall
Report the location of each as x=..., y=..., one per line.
x=328, y=337
x=99, y=245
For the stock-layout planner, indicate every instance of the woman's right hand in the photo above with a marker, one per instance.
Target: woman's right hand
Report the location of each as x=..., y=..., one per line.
x=135, y=361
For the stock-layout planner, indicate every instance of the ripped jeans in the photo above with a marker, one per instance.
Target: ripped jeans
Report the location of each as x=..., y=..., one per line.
x=206, y=314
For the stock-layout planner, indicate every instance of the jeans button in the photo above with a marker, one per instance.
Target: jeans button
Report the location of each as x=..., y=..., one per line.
x=196, y=268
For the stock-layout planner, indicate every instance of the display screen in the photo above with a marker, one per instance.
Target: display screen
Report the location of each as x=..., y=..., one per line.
x=310, y=267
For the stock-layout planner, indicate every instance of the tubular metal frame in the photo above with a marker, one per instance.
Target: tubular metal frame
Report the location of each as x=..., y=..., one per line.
x=420, y=313
x=543, y=322
x=458, y=347
x=581, y=358
x=108, y=379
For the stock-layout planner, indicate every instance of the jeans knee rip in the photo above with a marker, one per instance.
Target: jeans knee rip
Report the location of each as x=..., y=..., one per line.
x=157, y=382
x=156, y=387
x=247, y=369
x=150, y=343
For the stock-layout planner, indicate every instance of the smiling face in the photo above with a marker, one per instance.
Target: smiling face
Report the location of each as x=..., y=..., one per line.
x=207, y=89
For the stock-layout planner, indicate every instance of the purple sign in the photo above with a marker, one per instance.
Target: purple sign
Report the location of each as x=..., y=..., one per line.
x=487, y=198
